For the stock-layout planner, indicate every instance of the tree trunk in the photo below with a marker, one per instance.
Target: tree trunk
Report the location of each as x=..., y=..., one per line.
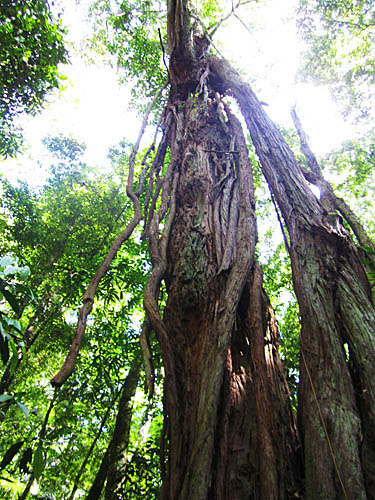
x=231, y=432
x=232, y=399
x=90, y=451
x=336, y=396
x=257, y=456
x=114, y=460
x=120, y=439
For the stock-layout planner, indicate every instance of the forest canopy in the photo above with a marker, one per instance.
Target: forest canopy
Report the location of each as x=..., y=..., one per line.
x=31, y=47
x=196, y=320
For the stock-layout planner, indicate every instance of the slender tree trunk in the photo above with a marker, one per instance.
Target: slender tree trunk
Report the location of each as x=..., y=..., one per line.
x=120, y=439
x=99, y=481
x=90, y=450
x=112, y=467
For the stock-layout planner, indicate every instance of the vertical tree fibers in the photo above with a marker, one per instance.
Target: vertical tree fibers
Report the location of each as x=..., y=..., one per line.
x=231, y=432
x=336, y=392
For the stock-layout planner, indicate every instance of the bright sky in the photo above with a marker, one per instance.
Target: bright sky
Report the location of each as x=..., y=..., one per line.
x=94, y=108
x=270, y=59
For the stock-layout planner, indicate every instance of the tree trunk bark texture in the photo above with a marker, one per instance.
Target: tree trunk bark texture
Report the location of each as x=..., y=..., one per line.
x=232, y=395
x=231, y=432
x=336, y=394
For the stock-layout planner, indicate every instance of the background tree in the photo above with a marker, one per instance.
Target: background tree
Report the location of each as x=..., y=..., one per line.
x=59, y=232
x=31, y=47
x=340, y=35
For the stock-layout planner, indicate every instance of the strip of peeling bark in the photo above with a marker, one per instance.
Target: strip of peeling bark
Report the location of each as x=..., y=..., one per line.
x=88, y=298
x=329, y=281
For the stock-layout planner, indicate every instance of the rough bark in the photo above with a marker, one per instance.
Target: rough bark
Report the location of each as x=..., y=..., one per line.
x=336, y=398
x=209, y=233
x=327, y=197
x=207, y=266
x=218, y=398
x=257, y=456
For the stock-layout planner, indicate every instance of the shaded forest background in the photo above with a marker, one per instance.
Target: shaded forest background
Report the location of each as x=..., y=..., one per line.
x=61, y=442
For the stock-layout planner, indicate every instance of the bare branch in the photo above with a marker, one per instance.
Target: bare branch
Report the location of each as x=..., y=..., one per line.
x=232, y=12
x=329, y=200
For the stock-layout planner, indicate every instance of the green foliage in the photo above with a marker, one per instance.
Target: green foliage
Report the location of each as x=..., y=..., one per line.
x=128, y=30
x=340, y=36
x=207, y=11
x=279, y=287
x=63, y=232
x=39, y=462
x=13, y=291
x=10, y=454
x=352, y=170
x=142, y=477
x=31, y=47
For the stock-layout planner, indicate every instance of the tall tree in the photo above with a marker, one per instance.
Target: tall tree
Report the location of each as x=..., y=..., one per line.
x=229, y=430
x=205, y=264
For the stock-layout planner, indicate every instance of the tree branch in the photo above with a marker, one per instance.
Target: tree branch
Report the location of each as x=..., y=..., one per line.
x=88, y=298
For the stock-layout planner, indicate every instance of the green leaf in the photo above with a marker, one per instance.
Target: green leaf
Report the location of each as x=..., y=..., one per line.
x=6, y=261
x=38, y=463
x=24, y=273
x=12, y=300
x=5, y=397
x=2, y=332
x=368, y=249
x=13, y=324
x=13, y=363
x=10, y=454
x=23, y=408
x=11, y=270
x=4, y=349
